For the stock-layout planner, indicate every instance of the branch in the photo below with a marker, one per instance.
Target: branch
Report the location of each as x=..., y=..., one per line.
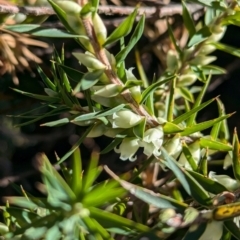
x=158, y=11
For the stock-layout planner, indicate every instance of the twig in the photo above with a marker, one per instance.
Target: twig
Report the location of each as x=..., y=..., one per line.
x=160, y=11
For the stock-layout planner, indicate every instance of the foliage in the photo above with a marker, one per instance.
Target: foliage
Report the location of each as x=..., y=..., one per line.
x=157, y=117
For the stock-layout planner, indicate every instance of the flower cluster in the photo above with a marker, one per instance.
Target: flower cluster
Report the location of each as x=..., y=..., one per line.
x=151, y=142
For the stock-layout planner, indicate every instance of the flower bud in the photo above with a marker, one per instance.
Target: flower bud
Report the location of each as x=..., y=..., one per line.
x=174, y=146
x=206, y=49
x=89, y=61
x=203, y=60
x=172, y=61
x=110, y=90
x=111, y=58
x=125, y=119
x=218, y=33
x=186, y=80
x=136, y=93
x=97, y=131
x=19, y=18
x=100, y=29
x=69, y=7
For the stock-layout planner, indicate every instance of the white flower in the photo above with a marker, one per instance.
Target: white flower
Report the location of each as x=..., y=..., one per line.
x=152, y=141
x=128, y=149
x=230, y=183
x=125, y=119
x=213, y=231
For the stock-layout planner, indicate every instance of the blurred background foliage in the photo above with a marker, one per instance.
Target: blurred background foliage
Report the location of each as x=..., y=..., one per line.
x=19, y=54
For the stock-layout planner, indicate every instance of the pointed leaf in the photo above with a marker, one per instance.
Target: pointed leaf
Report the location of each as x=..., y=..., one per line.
x=123, y=29
x=232, y=228
x=188, y=21
x=56, y=123
x=236, y=156
x=72, y=73
x=154, y=86
x=200, y=36
x=139, y=129
x=227, y=48
x=207, y=183
x=120, y=57
x=202, y=126
x=186, y=94
x=191, y=186
x=186, y=115
x=171, y=128
x=215, y=145
x=76, y=145
x=38, y=96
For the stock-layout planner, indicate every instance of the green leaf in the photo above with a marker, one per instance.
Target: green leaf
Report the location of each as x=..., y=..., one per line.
x=215, y=145
x=87, y=9
x=190, y=235
x=172, y=164
x=232, y=228
x=171, y=128
x=72, y=73
x=56, y=123
x=76, y=145
x=103, y=196
x=109, y=220
x=88, y=80
x=76, y=181
x=191, y=186
x=200, y=36
x=54, y=179
x=110, y=111
x=226, y=48
x=38, y=96
x=123, y=29
x=54, y=112
x=186, y=94
x=189, y=157
x=236, y=156
x=199, y=100
x=154, y=86
x=171, y=101
x=91, y=174
x=45, y=79
x=22, y=216
x=213, y=70
x=173, y=39
x=120, y=57
x=204, y=125
x=139, y=129
x=95, y=4
x=186, y=115
x=216, y=127
x=188, y=21
x=207, y=183
x=112, y=145
x=38, y=31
